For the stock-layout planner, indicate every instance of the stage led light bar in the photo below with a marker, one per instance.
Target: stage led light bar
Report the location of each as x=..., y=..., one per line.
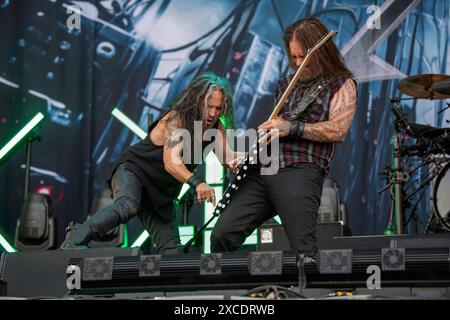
x=141, y=239
x=125, y=236
x=214, y=170
x=129, y=123
x=184, y=189
x=6, y=245
x=186, y=233
x=214, y=178
x=21, y=135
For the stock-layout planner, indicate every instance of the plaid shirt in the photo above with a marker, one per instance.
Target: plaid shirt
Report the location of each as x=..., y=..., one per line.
x=294, y=150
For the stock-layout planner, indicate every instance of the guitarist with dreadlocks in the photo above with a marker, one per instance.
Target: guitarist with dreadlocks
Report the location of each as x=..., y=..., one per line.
x=306, y=146
x=149, y=175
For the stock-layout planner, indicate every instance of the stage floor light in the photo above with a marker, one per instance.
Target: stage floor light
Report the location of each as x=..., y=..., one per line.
x=5, y=244
x=20, y=136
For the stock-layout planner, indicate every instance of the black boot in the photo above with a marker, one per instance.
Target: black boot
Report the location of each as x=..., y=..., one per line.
x=96, y=226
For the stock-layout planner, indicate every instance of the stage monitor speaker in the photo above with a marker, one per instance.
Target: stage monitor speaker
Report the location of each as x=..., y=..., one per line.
x=43, y=274
x=273, y=237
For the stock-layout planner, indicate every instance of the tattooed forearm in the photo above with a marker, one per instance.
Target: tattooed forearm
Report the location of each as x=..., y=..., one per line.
x=172, y=133
x=342, y=110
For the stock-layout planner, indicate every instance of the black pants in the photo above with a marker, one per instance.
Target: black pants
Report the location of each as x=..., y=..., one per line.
x=127, y=195
x=293, y=193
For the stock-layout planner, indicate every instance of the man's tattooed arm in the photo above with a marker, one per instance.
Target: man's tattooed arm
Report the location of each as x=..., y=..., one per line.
x=342, y=110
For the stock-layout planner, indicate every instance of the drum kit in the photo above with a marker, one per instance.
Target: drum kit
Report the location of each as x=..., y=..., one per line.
x=431, y=146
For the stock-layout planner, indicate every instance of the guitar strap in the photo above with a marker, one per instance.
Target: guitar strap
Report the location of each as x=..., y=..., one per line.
x=309, y=96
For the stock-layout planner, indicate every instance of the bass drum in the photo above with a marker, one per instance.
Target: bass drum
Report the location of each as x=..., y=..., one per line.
x=441, y=196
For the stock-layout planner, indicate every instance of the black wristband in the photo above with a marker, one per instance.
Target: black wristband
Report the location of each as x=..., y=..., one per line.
x=194, y=181
x=297, y=129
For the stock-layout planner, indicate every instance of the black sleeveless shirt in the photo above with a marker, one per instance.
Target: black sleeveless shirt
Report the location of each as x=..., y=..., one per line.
x=145, y=160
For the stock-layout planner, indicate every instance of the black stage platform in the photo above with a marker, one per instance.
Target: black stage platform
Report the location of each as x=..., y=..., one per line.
x=368, y=267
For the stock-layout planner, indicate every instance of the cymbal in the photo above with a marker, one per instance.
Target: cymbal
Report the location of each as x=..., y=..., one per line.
x=428, y=132
x=442, y=87
x=420, y=86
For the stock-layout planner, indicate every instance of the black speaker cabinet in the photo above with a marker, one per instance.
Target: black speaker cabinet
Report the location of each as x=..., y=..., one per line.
x=3, y=287
x=273, y=237
x=43, y=274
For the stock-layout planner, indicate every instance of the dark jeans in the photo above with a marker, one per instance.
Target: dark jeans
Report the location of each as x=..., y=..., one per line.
x=127, y=196
x=293, y=193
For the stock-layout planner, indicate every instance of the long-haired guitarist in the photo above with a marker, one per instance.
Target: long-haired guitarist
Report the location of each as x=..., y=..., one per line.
x=316, y=115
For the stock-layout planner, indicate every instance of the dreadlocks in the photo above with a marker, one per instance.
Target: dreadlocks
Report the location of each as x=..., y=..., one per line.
x=190, y=103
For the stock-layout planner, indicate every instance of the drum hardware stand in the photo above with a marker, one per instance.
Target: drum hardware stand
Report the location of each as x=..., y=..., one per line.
x=397, y=177
x=430, y=141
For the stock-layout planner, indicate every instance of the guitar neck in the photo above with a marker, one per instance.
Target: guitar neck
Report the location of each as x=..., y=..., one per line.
x=298, y=73
x=288, y=91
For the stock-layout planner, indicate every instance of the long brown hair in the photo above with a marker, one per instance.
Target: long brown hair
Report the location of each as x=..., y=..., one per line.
x=309, y=32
